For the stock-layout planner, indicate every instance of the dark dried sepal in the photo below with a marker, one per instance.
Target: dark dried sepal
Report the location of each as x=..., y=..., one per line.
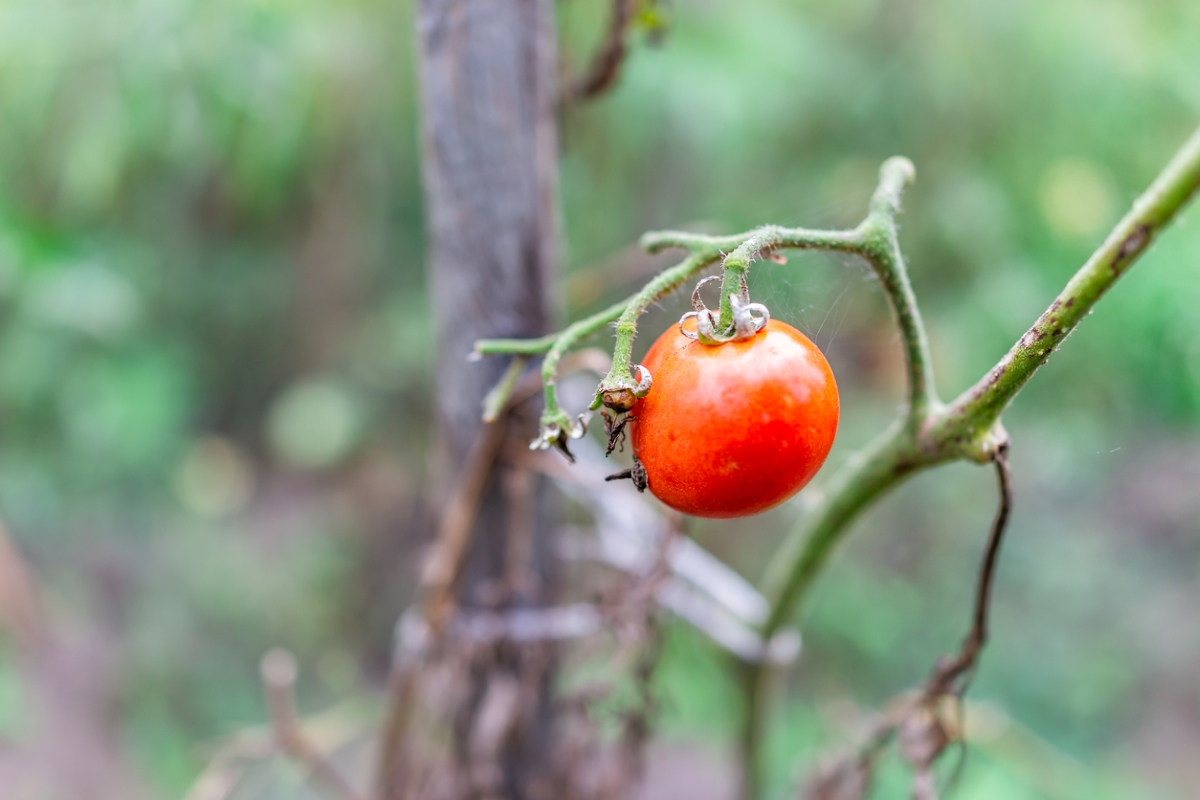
x=560, y=444
x=614, y=426
x=636, y=473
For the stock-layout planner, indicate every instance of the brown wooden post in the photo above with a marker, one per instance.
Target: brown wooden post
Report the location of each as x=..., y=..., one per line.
x=490, y=169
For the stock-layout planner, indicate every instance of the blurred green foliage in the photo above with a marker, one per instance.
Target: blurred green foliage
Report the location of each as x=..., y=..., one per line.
x=215, y=358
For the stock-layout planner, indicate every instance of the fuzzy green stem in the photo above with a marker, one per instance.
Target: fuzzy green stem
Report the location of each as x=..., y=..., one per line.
x=752, y=684
x=864, y=477
x=563, y=342
x=966, y=429
x=881, y=247
x=736, y=265
x=620, y=377
x=769, y=238
x=516, y=347
x=495, y=400
x=657, y=241
x=883, y=252
x=895, y=175
x=981, y=405
x=876, y=240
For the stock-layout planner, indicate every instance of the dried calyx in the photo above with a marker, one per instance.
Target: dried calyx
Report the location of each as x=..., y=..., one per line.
x=558, y=433
x=708, y=322
x=622, y=399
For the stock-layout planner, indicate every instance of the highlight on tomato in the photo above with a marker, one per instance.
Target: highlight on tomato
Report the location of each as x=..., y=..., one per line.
x=733, y=429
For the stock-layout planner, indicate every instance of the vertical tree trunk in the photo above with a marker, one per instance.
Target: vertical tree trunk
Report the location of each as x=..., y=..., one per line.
x=490, y=167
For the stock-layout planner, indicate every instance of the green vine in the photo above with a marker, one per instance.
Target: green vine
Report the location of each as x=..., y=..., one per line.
x=926, y=432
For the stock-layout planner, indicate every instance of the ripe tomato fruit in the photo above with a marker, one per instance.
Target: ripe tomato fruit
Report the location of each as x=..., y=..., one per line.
x=734, y=429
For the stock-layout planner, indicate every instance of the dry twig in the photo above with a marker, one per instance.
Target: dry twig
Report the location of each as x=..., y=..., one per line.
x=278, y=670
x=950, y=671
x=926, y=722
x=445, y=566
x=605, y=67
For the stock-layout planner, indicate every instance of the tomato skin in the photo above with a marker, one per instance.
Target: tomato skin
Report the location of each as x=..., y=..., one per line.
x=734, y=429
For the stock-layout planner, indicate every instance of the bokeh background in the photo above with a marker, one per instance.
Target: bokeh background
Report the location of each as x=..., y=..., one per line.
x=215, y=365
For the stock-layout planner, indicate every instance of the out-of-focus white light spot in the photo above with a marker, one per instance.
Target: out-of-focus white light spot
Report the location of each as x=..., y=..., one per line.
x=89, y=298
x=1077, y=199
x=215, y=478
x=314, y=424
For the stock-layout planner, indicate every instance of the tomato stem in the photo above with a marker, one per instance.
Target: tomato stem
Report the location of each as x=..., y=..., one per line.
x=968, y=428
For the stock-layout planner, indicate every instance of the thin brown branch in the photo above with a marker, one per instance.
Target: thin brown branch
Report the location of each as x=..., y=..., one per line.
x=924, y=723
x=605, y=67
x=949, y=671
x=848, y=775
x=445, y=567
x=393, y=758
x=927, y=730
x=278, y=670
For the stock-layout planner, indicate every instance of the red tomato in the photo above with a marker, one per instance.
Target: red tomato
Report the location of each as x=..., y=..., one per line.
x=734, y=429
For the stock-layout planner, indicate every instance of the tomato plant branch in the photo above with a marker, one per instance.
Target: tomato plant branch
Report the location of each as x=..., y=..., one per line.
x=881, y=248
x=605, y=66
x=981, y=405
x=967, y=429
x=619, y=387
x=874, y=239
x=926, y=432
x=521, y=347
